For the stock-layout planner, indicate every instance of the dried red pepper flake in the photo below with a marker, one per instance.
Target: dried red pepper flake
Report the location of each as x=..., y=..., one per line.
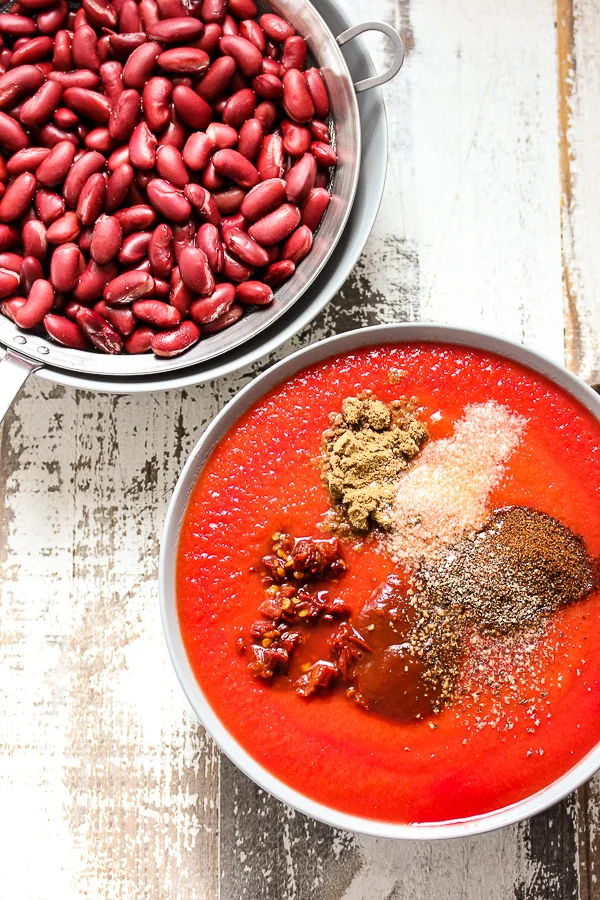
x=304, y=558
x=348, y=646
x=268, y=660
x=320, y=677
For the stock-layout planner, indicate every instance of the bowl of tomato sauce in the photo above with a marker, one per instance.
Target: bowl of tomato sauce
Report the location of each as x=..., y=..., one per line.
x=380, y=581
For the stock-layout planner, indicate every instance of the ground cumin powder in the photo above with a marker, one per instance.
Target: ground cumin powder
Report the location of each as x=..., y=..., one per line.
x=366, y=448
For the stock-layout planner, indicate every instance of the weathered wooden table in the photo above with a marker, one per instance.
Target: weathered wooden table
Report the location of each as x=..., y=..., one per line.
x=108, y=788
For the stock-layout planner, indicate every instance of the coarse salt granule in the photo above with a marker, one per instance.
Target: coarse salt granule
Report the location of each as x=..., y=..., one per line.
x=443, y=495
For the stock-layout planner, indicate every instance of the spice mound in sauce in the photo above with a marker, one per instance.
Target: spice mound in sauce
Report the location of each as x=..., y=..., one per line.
x=366, y=449
x=518, y=569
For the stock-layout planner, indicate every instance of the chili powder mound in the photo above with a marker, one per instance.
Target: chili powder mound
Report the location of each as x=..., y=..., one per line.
x=513, y=573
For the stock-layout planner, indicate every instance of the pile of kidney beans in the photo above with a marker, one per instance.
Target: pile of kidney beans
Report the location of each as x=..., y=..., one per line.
x=164, y=164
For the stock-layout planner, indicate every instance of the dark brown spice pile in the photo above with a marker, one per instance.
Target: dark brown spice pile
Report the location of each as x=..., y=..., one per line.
x=513, y=573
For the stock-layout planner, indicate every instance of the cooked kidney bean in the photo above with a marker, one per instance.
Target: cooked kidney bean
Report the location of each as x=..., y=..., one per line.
x=100, y=332
x=195, y=270
x=155, y=312
x=106, y=239
x=128, y=287
x=163, y=162
x=91, y=199
x=66, y=264
x=276, y=226
x=254, y=293
x=39, y=303
x=140, y=341
x=245, y=248
x=160, y=251
x=301, y=179
x=279, y=272
x=66, y=332
x=34, y=239
x=172, y=343
x=208, y=239
x=31, y=270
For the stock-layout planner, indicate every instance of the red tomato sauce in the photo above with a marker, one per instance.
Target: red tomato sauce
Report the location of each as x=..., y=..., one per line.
x=263, y=478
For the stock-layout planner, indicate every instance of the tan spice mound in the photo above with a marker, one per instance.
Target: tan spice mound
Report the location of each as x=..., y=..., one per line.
x=366, y=449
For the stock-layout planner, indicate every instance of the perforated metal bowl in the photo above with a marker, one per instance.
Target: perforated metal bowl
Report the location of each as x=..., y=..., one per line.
x=29, y=351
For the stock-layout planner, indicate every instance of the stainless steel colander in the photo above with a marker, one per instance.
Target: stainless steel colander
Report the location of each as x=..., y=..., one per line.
x=27, y=352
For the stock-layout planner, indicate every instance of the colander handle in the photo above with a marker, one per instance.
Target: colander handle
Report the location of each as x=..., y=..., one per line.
x=14, y=372
x=375, y=80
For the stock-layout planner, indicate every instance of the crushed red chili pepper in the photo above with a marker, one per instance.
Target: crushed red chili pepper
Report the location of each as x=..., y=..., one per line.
x=288, y=603
x=319, y=677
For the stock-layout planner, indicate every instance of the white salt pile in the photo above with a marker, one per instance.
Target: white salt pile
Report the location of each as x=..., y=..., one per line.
x=443, y=495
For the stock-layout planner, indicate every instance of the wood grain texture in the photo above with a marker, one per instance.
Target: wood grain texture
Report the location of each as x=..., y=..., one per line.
x=109, y=789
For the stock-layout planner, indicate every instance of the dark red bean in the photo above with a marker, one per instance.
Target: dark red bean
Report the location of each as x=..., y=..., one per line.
x=100, y=332
x=276, y=226
x=155, y=312
x=176, y=30
x=88, y=103
x=192, y=109
x=160, y=251
x=204, y=203
x=119, y=185
x=233, y=165
x=128, y=287
x=196, y=151
x=12, y=135
x=106, y=240
x=34, y=239
x=195, y=270
x=216, y=79
x=318, y=92
x=125, y=114
x=134, y=248
x=279, y=272
x=263, y=199
x=28, y=160
x=234, y=269
x=156, y=98
x=294, y=53
x=270, y=162
x=170, y=165
x=18, y=196
x=314, y=207
x=247, y=57
x=244, y=247
x=31, y=271
x=121, y=319
x=296, y=97
x=301, y=179
x=49, y=206
x=91, y=199
x=229, y=201
x=251, y=138
x=140, y=341
x=254, y=293
x=275, y=27
x=93, y=280
x=324, y=154
x=66, y=265
x=208, y=239
x=140, y=66
x=19, y=82
x=239, y=108
x=142, y=147
x=84, y=48
x=39, y=303
x=65, y=332
x=172, y=343
x=88, y=164
x=233, y=315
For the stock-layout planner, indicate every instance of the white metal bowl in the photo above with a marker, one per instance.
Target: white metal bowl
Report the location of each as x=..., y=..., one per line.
x=374, y=336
